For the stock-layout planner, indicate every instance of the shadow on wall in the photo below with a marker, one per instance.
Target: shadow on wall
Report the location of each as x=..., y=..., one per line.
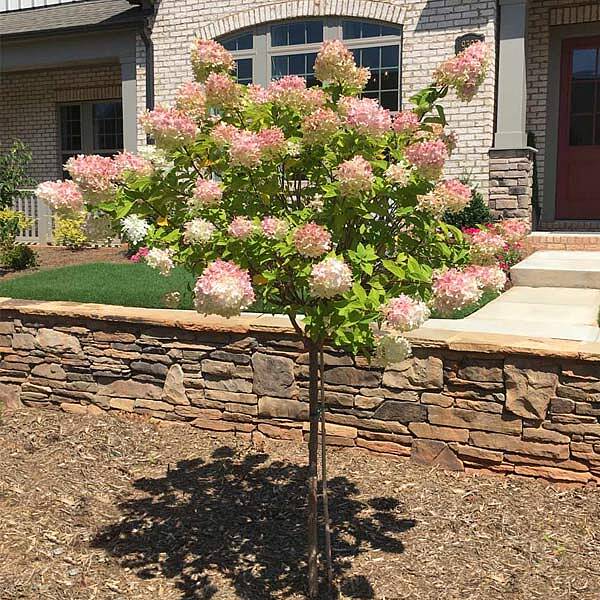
x=245, y=519
x=438, y=15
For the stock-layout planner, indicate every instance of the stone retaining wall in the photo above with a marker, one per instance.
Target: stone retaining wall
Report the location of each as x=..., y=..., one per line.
x=507, y=405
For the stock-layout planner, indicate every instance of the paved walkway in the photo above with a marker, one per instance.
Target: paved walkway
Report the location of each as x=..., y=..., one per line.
x=556, y=295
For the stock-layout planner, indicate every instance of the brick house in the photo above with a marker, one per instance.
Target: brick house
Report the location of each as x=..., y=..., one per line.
x=75, y=74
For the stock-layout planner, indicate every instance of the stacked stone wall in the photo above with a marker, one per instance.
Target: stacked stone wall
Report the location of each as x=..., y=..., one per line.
x=479, y=407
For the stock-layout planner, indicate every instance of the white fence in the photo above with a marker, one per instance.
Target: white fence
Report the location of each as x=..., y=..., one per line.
x=41, y=230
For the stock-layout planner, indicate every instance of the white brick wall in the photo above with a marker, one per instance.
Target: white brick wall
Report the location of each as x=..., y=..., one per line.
x=28, y=110
x=430, y=29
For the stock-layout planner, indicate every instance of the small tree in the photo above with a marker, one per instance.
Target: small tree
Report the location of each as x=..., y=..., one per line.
x=13, y=174
x=310, y=199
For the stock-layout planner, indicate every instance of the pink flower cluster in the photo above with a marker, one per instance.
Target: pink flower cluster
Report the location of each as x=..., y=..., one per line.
x=60, y=195
x=489, y=278
x=272, y=142
x=245, y=149
x=241, y=228
x=169, y=127
x=222, y=91
x=485, y=246
x=335, y=64
x=454, y=194
x=191, y=100
x=208, y=57
x=512, y=230
x=132, y=164
x=398, y=174
x=140, y=255
x=319, y=126
x=454, y=289
x=331, y=277
x=95, y=175
x=312, y=240
x=428, y=157
x=406, y=121
x=465, y=72
x=274, y=228
x=207, y=192
x=223, y=289
x=355, y=176
x=291, y=91
x=366, y=116
x=404, y=313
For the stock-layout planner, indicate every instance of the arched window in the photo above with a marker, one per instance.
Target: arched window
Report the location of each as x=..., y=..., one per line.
x=271, y=51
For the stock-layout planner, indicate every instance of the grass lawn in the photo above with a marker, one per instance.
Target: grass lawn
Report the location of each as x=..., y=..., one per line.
x=127, y=284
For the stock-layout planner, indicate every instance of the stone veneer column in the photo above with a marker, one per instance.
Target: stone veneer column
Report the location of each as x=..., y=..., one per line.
x=511, y=183
x=511, y=160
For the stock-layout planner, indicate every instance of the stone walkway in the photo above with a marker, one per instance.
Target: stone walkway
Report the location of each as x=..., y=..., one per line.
x=556, y=295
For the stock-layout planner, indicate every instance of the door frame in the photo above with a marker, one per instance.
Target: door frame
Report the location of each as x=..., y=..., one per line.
x=558, y=34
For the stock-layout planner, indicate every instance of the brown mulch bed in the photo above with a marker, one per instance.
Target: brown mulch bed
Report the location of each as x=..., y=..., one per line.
x=51, y=257
x=114, y=509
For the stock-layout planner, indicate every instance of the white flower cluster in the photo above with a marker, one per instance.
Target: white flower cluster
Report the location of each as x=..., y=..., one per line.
x=161, y=260
x=135, y=228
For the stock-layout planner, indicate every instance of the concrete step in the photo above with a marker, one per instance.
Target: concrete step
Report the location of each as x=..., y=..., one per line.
x=559, y=269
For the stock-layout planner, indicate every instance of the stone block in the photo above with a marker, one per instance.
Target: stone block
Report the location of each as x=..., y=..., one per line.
x=529, y=387
x=174, y=390
x=539, y=434
x=553, y=474
x=437, y=399
x=367, y=402
x=353, y=377
x=435, y=453
x=126, y=404
x=334, y=429
x=155, y=369
x=403, y=412
x=483, y=406
x=384, y=447
x=510, y=443
x=229, y=385
x=472, y=454
x=126, y=388
x=280, y=433
x=73, y=408
x=415, y=374
x=273, y=376
x=23, y=341
x=561, y=405
x=49, y=371
x=56, y=341
x=154, y=405
x=472, y=419
x=484, y=371
x=193, y=412
x=10, y=397
x=280, y=408
x=433, y=432
x=225, y=396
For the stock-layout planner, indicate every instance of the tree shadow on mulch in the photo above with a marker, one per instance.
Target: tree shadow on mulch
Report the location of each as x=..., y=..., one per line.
x=245, y=519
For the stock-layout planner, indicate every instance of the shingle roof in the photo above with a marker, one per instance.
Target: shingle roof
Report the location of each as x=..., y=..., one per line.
x=90, y=14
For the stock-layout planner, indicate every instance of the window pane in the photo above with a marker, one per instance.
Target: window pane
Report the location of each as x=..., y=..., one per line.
x=297, y=32
x=108, y=126
x=370, y=57
x=584, y=63
x=390, y=56
x=352, y=30
x=70, y=128
x=244, y=70
x=389, y=79
x=389, y=100
x=239, y=42
x=279, y=66
x=582, y=97
x=582, y=132
x=297, y=64
x=373, y=83
x=294, y=64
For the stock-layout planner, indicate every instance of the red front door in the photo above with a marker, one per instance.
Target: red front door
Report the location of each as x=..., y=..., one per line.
x=578, y=167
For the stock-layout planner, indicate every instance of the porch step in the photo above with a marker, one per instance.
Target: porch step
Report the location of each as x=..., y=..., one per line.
x=562, y=240
x=559, y=269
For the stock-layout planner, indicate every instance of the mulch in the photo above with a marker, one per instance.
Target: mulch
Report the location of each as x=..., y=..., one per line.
x=115, y=509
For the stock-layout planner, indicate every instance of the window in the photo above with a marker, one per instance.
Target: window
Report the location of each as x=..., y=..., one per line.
x=90, y=128
x=289, y=48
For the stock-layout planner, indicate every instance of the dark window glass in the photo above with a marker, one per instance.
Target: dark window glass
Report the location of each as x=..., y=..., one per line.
x=384, y=82
x=294, y=64
x=390, y=56
x=389, y=100
x=584, y=63
x=240, y=42
x=582, y=130
x=297, y=32
x=582, y=98
x=108, y=126
x=70, y=128
x=244, y=70
x=352, y=30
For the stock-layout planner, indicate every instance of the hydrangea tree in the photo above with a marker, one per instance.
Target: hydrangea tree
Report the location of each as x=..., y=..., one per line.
x=314, y=201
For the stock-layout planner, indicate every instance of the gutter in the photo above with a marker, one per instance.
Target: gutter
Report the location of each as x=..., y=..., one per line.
x=146, y=35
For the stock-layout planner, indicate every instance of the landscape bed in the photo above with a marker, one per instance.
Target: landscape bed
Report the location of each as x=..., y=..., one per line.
x=110, y=508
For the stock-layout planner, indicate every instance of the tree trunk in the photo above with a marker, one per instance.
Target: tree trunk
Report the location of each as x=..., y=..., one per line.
x=313, y=457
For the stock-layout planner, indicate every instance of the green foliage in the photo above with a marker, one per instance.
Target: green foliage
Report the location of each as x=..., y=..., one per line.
x=69, y=230
x=18, y=257
x=13, y=173
x=475, y=214
x=11, y=222
x=126, y=284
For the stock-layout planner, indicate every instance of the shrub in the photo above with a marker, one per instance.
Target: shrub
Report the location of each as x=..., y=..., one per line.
x=19, y=257
x=476, y=213
x=13, y=173
x=69, y=230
